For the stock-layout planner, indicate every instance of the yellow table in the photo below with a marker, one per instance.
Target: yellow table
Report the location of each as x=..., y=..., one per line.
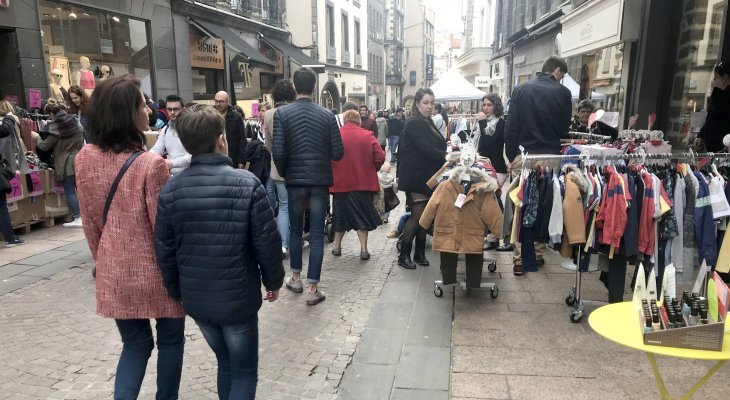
x=619, y=323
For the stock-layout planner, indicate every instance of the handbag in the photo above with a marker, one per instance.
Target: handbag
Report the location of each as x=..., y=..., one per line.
x=113, y=191
x=5, y=169
x=391, y=199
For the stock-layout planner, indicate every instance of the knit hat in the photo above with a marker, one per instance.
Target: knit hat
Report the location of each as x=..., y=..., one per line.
x=65, y=125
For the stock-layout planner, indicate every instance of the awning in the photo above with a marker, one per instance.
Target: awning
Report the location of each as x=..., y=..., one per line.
x=547, y=21
x=516, y=36
x=295, y=54
x=234, y=42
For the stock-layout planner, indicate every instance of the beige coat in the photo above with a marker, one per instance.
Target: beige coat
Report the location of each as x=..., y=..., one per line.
x=461, y=230
x=268, y=128
x=574, y=225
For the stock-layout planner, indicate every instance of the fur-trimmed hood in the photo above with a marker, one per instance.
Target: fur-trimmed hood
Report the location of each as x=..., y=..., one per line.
x=573, y=173
x=481, y=182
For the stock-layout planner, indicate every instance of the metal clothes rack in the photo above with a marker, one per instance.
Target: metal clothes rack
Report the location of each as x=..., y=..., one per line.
x=584, y=135
x=574, y=298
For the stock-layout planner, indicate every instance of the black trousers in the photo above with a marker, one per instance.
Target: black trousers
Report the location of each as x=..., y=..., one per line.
x=474, y=263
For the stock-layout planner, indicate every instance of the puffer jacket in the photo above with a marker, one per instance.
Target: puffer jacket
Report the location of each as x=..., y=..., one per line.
x=306, y=140
x=66, y=138
x=216, y=241
x=461, y=230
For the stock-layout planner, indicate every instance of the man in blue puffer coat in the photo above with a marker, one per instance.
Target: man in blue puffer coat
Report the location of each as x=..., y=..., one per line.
x=216, y=241
x=306, y=141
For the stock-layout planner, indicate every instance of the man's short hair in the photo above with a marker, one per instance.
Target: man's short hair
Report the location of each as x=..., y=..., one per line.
x=352, y=116
x=199, y=127
x=586, y=104
x=363, y=106
x=283, y=91
x=173, y=98
x=552, y=62
x=350, y=106
x=399, y=109
x=304, y=80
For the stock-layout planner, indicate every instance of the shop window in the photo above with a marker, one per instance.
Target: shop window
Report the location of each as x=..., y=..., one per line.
x=88, y=46
x=590, y=76
x=206, y=82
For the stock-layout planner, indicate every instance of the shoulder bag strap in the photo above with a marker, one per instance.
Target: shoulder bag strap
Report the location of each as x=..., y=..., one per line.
x=113, y=189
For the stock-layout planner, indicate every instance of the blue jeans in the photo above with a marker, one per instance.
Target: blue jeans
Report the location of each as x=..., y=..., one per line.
x=318, y=197
x=69, y=188
x=393, y=141
x=236, y=348
x=137, y=346
x=402, y=221
x=276, y=189
x=6, y=227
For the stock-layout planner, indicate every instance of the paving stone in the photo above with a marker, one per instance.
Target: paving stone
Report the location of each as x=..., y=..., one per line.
x=367, y=382
x=380, y=346
x=45, y=257
x=390, y=315
x=8, y=270
x=424, y=367
x=52, y=268
x=16, y=282
x=415, y=394
x=479, y=386
x=398, y=292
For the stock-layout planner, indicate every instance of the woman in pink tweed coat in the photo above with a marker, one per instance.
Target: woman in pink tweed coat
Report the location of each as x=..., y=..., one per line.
x=128, y=282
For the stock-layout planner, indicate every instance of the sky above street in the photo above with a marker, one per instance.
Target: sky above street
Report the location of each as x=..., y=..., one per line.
x=448, y=14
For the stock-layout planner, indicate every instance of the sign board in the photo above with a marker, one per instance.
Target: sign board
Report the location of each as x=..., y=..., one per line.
x=206, y=52
x=592, y=27
x=520, y=59
x=34, y=98
x=481, y=81
x=412, y=80
x=429, y=67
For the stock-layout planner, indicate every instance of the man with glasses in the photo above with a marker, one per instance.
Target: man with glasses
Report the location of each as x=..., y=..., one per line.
x=235, y=128
x=540, y=113
x=168, y=143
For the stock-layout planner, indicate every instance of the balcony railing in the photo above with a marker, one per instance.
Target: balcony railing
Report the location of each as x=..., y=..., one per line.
x=270, y=15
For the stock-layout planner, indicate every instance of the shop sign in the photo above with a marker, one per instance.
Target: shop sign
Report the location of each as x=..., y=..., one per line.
x=429, y=67
x=357, y=86
x=34, y=98
x=592, y=27
x=481, y=81
x=520, y=59
x=206, y=52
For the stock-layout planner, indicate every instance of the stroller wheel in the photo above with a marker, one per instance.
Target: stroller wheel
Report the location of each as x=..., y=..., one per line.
x=329, y=231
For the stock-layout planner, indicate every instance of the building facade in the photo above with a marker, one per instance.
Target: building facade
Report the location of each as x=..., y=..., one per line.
x=419, y=44
x=377, y=14
x=335, y=31
x=394, y=48
x=475, y=62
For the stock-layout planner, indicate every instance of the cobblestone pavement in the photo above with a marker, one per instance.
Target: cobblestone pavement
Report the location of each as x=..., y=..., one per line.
x=54, y=346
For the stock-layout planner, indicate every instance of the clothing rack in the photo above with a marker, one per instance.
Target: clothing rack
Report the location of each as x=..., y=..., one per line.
x=584, y=135
x=574, y=297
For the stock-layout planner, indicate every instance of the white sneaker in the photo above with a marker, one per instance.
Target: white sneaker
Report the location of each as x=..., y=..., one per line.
x=569, y=265
x=76, y=223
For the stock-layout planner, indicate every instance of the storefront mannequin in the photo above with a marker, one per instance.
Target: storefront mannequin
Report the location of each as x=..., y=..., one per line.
x=58, y=92
x=105, y=73
x=84, y=76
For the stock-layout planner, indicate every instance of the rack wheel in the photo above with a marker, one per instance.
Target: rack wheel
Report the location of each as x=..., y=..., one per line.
x=437, y=291
x=494, y=292
x=570, y=300
x=492, y=267
x=576, y=316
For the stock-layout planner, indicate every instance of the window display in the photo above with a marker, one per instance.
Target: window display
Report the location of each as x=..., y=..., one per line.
x=598, y=77
x=68, y=33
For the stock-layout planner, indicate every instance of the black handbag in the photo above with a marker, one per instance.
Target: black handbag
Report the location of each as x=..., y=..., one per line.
x=5, y=169
x=391, y=199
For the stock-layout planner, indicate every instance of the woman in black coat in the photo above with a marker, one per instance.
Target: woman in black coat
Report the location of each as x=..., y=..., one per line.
x=717, y=124
x=421, y=153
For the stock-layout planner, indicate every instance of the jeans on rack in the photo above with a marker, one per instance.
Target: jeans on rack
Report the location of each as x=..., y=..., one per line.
x=136, y=350
x=69, y=187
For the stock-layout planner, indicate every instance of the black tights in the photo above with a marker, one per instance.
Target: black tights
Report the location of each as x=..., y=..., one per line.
x=413, y=228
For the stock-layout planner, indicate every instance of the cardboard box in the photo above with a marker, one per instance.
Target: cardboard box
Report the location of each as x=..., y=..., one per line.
x=56, y=205
x=33, y=208
x=19, y=189
x=34, y=184
x=47, y=179
x=16, y=216
x=150, y=139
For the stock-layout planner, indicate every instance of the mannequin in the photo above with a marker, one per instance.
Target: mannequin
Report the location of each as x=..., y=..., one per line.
x=84, y=76
x=58, y=92
x=105, y=73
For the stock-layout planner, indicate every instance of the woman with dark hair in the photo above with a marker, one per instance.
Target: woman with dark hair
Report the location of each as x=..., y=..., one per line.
x=8, y=121
x=129, y=284
x=65, y=138
x=580, y=121
x=441, y=120
x=421, y=152
x=717, y=122
x=79, y=101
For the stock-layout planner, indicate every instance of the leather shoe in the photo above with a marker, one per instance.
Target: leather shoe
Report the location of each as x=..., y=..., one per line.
x=517, y=270
x=491, y=246
x=505, y=247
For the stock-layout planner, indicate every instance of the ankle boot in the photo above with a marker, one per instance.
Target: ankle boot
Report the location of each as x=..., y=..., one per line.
x=419, y=256
x=404, y=257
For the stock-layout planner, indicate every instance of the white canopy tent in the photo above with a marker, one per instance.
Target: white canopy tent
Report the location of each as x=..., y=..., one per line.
x=574, y=87
x=451, y=86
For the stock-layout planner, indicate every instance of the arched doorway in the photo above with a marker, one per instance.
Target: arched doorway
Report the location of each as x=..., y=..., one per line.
x=330, y=96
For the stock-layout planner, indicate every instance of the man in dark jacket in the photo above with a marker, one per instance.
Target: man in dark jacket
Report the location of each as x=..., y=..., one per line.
x=368, y=122
x=395, y=127
x=539, y=115
x=216, y=241
x=306, y=140
x=235, y=128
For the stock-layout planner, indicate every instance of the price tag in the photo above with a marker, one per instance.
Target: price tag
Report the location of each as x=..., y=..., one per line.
x=460, y=199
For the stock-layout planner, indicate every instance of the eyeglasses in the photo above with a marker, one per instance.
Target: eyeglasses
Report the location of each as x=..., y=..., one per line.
x=584, y=112
x=174, y=110
x=58, y=75
x=220, y=101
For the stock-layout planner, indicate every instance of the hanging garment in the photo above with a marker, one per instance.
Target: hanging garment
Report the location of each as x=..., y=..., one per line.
x=704, y=223
x=613, y=216
x=509, y=207
x=574, y=224
x=718, y=201
x=668, y=228
x=646, y=220
x=677, y=251
x=555, y=227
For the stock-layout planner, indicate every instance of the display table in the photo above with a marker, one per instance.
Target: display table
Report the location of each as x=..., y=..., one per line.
x=619, y=323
